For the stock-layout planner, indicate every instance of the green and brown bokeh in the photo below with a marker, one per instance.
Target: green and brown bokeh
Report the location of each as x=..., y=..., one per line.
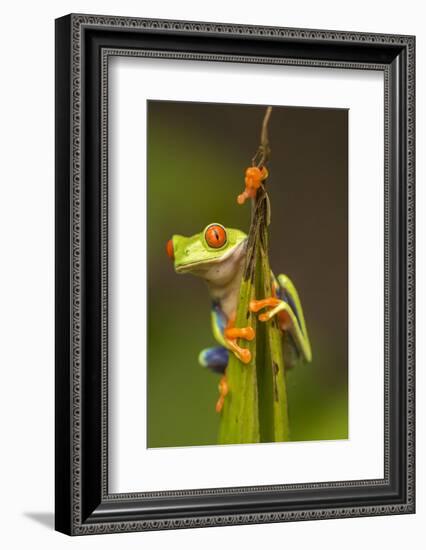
x=197, y=155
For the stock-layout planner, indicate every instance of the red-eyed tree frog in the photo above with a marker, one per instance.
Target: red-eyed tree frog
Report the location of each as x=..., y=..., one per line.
x=217, y=256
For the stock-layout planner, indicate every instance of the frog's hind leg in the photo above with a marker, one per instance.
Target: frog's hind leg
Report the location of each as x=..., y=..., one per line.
x=287, y=306
x=215, y=359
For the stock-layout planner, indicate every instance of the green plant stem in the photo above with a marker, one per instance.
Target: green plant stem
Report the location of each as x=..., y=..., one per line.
x=273, y=405
x=240, y=419
x=255, y=409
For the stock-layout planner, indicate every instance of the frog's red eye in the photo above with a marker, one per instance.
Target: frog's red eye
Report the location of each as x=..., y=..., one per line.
x=215, y=236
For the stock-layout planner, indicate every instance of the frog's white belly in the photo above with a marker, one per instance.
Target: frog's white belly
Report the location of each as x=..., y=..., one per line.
x=227, y=297
x=224, y=281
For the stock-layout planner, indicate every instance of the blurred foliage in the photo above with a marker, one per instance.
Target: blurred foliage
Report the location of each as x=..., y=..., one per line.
x=197, y=154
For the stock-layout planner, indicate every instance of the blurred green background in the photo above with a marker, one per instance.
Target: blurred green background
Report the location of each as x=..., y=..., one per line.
x=197, y=155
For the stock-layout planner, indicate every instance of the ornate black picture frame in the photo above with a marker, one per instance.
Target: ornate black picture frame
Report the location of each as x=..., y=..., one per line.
x=83, y=45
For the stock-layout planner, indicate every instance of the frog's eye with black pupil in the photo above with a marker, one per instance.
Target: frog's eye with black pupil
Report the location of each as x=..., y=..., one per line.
x=215, y=236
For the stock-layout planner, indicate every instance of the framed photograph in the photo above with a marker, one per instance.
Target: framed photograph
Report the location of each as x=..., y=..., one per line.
x=234, y=274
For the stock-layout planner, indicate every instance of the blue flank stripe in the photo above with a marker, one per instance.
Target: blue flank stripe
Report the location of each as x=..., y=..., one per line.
x=219, y=316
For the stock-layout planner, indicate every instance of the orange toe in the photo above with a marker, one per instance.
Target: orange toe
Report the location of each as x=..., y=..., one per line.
x=245, y=356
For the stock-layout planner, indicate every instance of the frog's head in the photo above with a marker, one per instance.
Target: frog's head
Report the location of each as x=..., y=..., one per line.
x=215, y=254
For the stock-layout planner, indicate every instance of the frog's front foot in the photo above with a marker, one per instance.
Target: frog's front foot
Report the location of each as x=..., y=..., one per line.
x=231, y=334
x=247, y=333
x=223, y=391
x=275, y=304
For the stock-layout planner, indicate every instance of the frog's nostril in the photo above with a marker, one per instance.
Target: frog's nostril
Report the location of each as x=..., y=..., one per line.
x=170, y=250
